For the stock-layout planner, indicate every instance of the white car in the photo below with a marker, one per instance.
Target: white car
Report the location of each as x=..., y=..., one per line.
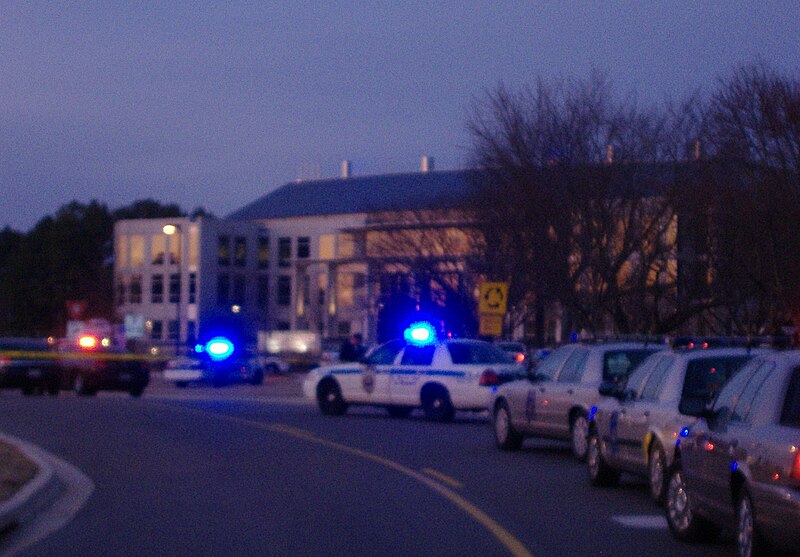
x=438, y=376
x=186, y=369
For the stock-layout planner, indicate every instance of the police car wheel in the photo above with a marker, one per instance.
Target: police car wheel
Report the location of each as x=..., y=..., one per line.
x=656, y=471
x=600, y=473
x=330, y=399
x=258, y=377
x=505, y=436
x=437, y=406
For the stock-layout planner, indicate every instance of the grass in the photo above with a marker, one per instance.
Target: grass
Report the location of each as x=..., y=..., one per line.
x=15, y=470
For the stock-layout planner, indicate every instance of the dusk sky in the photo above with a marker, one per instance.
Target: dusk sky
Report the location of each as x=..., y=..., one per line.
x=215, y=104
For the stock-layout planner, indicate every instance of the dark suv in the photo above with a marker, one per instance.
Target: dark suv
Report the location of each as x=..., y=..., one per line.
x=28, y=364
x=738, y=466
x=90, y=365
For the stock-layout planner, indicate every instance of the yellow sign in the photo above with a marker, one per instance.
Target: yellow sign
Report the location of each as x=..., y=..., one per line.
x=491, y=326
x=493, y=298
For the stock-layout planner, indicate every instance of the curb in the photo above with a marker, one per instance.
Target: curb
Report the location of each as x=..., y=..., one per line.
x=35, y=495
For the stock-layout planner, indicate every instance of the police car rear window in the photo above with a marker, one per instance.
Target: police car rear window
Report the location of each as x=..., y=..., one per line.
x=704, y=377
x=476, y=353
x=620, y=363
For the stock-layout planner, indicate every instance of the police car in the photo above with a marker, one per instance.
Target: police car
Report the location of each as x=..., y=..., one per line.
x=418, y=371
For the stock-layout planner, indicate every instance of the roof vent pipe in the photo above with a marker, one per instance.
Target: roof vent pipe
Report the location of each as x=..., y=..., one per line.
x=426, y=163
x=346, y=170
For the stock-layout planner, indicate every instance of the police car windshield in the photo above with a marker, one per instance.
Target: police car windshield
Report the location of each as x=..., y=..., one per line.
x=619, y=363
x=477, y=353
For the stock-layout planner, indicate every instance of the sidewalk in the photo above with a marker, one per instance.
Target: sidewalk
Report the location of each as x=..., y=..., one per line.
x=32, y=484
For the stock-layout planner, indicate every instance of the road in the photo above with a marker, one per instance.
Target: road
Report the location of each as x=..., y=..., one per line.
x=250, y=470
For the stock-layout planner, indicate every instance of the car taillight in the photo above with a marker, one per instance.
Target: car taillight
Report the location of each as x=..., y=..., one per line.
x=4, y=361
x=796, y=467
x=489, y=378
x=520, y=357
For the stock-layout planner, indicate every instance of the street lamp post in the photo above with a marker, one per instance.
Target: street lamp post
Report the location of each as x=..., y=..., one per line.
x=170, y=230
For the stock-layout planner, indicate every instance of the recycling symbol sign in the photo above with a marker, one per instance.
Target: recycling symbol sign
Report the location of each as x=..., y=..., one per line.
x=493, y=297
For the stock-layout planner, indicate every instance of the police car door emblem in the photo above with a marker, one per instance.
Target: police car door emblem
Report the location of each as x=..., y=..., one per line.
x=368, y=379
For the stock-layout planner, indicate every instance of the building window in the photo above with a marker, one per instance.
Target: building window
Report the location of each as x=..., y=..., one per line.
x=194, y=245
x=137, y=251
x=121, y=291
x=192, y=288
x=284, y=252
x=282, y=326
x=238, y=290
x=223, y=290
x=191, y=331
x=174, y=245
x=263, y=291
x=122, y=251
x=175, y=288
x=343, y=328
x=284, y=290
x=240, y=251
x=156, y=331
x=303, y=247
x=136, y=289
x=157, y=246
x=347, y=247
x=224, y=251
x=326, y=246
x=157, y=289
x=172, y=330
x=344, y=289
x=263, y=252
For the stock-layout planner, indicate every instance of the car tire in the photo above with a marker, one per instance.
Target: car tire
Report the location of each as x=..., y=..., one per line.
x=399, y=411
x=436, y=405
x=579, y=436
x=682, y=521
x=28, y=390
x=600, y=473
x=505, y=436
x=657, y=473
x=749, y=541
x=81, y=387
x=136, y=392
x=258, y=377
x=273, y=369
x=54, y=387
x=329, y=398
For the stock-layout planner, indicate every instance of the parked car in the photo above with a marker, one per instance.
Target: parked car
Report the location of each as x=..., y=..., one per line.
x=515, y=349
x=634, y=428
x=438, y=376
x=245, y=367
x=29, y=364
x=738, y=466
x=92, y=364
x=555, y=400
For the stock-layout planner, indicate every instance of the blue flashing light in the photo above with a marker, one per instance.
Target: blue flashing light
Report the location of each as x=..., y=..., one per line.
x=592, y=412
x=219, y=348
x=420, y=333
x=199, y=348
x=734, y=466
x=685, y=432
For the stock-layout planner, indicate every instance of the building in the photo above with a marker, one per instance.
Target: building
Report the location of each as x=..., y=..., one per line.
x=173, y=276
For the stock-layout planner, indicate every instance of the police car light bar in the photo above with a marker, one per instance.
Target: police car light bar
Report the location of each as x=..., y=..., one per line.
x=219, y=348
x=420, y=333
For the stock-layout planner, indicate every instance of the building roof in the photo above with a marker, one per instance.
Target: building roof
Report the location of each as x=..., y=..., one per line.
x=362, y=194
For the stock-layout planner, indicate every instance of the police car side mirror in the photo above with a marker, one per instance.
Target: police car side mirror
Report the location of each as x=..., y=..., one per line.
x=609, y=388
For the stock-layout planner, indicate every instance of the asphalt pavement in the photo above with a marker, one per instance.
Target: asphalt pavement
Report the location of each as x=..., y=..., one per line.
x=256, y=470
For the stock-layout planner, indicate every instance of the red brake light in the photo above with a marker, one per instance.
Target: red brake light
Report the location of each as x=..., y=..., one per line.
x=796, y=467
x=87, y=342
x=489, y=378
x=520, y=357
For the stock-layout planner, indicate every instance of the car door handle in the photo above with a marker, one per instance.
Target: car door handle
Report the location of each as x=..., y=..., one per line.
x=646, y=413
x=570, y=392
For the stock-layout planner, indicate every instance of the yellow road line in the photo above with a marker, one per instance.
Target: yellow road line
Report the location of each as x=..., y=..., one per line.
x=514, y=546
x=443, y=478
